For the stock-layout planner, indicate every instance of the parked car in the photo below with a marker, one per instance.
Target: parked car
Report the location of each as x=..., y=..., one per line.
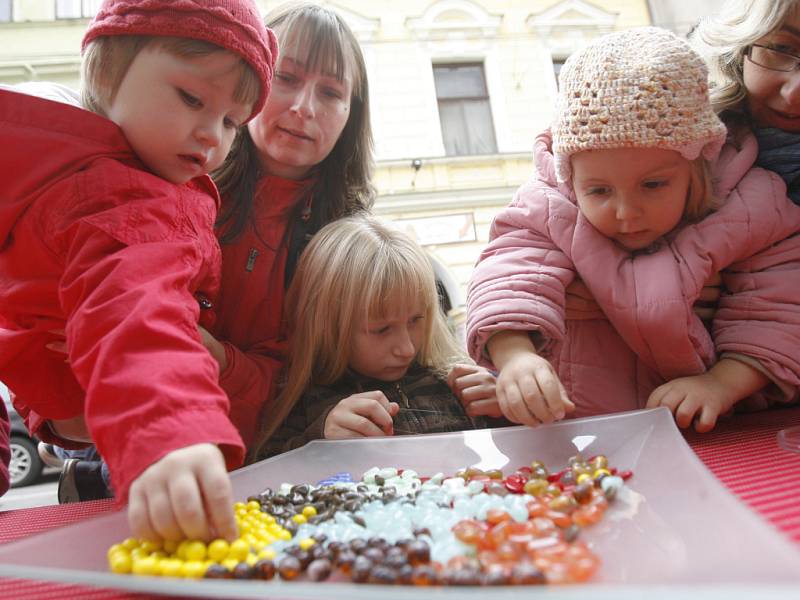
x=26, y=467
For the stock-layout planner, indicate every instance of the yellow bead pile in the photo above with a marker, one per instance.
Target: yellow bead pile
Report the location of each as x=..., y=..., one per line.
x=191, y=558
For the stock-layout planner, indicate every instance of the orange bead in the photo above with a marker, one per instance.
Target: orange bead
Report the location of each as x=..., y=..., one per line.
x=587, y=515
x=561, y=519
x=536, y=508
x=497, y=515
x=468, y=531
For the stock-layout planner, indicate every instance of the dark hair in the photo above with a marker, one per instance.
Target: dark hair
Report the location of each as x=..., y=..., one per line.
x=341, y=184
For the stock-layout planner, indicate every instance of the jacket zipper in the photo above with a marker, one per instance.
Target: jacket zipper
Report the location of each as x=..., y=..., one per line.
x=251, y=259
x=402, y=395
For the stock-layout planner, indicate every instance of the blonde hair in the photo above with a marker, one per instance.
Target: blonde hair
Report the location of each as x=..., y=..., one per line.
x=700, y=200
x=319, y=38
x=723, y=40
x=354, y=269
x=107, y=59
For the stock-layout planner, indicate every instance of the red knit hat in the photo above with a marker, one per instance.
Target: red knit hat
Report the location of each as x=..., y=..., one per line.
x=234, y=25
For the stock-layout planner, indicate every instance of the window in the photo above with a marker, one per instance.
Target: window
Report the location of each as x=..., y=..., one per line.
x=77, y=9
x=464, y=109
x=557, y=64
x=5, y=11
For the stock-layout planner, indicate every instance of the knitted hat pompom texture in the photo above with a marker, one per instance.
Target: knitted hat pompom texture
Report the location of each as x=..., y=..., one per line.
x=642, y=88
x=234, y=25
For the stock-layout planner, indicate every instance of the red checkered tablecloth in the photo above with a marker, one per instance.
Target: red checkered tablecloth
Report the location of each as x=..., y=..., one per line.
x=742, y=452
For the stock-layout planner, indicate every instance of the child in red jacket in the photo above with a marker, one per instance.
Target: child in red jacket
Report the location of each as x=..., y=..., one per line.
x=106, y=232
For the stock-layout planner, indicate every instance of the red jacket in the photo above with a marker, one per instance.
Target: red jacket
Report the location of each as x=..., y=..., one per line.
x=92, y=244
x=5, y=450
x=249, y=309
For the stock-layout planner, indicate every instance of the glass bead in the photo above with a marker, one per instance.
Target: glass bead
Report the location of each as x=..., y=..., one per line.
x=216, y=572
x=144, y=566
x=289, y=568
x=195, y=550
x=264, y=569
x=527, y=574
x=424, y=575
x=243, y=571
x=120, y=562
x=583, y=492
x=319, y=569
x=359, y=572
x=535, y=487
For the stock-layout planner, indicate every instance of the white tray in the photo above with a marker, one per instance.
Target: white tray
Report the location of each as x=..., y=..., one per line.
x=676, y=528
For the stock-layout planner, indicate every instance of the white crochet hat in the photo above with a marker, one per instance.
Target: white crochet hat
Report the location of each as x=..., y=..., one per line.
x=644, y=88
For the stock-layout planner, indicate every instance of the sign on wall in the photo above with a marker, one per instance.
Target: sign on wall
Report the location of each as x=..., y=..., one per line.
x=440, y=229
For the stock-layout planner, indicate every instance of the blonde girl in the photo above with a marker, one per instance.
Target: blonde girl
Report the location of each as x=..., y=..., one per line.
x=370, y=353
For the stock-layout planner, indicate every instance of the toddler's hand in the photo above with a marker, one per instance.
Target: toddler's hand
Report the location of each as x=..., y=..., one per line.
x=185, y=495
x=703, y=397
x=361, y=415
x=530, y=392
x=476, y=387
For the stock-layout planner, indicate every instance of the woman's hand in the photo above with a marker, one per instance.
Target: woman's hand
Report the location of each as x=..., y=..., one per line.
x=476, y=388
x=368, y=414
x=185, y=495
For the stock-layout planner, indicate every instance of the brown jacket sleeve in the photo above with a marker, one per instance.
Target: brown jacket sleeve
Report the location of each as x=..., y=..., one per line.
x=305, y=422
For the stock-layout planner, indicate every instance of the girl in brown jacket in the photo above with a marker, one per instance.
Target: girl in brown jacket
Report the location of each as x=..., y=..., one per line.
x=370, y=353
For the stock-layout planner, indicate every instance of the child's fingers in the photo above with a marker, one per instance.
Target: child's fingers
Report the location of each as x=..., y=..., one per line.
x=187, y=506
x=511, y=409
x=518, y=398
x=569, y=405
x=361, y=426
x=707, y=420
x=376, y=396
x=456, y=378
x=139, y=516
x=551, y=393
x=685, y=412
x=484, y=408
x=378, y=413
x=477, y=391
x=656, y=397
x=217, y=491
x=535, y=401
x=162, y=516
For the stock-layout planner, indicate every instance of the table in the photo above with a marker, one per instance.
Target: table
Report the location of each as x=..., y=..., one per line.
x=742, y=452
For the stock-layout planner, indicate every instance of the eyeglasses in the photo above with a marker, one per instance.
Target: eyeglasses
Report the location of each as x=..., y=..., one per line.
x=770, y=58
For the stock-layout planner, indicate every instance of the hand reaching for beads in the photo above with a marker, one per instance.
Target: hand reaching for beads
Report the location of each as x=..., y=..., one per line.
x=185, y=495
x=703, y=398
x=476, y=388
x=367, y=414
x=529, y=391
x=700, y=399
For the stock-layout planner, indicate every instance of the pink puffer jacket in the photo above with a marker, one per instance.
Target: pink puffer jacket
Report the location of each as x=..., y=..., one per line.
x=541, y=242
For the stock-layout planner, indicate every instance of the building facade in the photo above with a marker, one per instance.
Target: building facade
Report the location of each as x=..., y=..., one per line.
x=459, y=89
